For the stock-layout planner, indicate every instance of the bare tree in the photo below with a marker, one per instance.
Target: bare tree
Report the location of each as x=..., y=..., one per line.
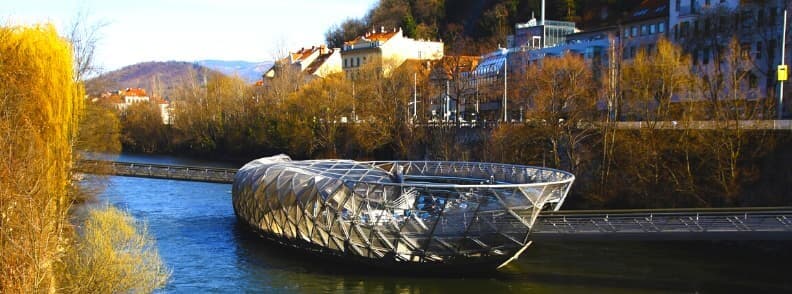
x=84, y=35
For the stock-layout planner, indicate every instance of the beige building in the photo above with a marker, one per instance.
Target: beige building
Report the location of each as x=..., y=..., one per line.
x=316, y=61
x=386, y=50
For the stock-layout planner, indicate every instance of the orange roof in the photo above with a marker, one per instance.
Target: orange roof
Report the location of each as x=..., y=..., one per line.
x=133, y=92
x=303, y=53
x=319, y=61
x=381, y=36
x=159, y=100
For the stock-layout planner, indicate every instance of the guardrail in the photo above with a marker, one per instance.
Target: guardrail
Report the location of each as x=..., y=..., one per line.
x=158, y=171
x=687, y=224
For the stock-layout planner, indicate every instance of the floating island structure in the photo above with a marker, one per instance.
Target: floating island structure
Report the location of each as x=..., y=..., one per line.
x=399, y=214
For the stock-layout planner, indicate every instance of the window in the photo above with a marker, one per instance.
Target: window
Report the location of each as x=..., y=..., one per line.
x=678, y=3
x=696, y=28
x=753, y=82
x=745, y=50
x=345, y=62
x=661, y=27
x=683, y=29
x=696, y=56
x=707, y=2
x=760, y=17
x=643, y=30
x=707, y=26
x=652, y=28
x=634, y=31
x=746, y=19
x=626, y=32
x=358, y=61
x=706, y=55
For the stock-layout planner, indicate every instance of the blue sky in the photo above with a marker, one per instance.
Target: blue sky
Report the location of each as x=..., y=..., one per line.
x=189, y=30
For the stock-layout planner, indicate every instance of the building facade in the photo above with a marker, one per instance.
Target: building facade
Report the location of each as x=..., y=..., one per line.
x=384, y=50
x=314, y=61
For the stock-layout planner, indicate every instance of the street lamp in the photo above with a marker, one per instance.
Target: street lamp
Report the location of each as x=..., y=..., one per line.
x=782, y=69
x=505, y=81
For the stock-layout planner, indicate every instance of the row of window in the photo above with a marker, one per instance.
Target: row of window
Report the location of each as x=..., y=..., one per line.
x=745, y=20
x=645, y=29
x=353, y=62
x=703, y=55
x=631, y=51
x=693, y=4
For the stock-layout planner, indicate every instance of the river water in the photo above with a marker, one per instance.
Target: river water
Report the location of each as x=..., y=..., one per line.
x=208, y=251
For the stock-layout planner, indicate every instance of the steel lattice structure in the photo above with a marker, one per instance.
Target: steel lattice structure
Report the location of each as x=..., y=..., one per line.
x=398, y=212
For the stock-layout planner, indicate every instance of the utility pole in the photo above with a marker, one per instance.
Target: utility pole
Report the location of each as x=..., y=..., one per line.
x=784, y=67
x=544, y=29
x=354, y=115
x=447, y=112
x=505, y=79
x=415, y=95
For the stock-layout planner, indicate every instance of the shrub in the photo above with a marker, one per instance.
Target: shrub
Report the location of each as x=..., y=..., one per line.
x=113, y=253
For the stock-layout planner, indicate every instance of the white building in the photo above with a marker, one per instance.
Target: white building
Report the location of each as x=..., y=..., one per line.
x=122, y=99
x=314, y=61
x=386, y=50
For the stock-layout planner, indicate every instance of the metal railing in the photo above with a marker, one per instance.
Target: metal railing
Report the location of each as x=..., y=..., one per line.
x=158, y=171
x=733, y=223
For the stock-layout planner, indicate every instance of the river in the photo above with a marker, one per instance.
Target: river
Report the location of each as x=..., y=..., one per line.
x=208, y=251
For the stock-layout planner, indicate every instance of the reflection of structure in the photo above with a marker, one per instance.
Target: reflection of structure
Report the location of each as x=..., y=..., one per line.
x=398, y=213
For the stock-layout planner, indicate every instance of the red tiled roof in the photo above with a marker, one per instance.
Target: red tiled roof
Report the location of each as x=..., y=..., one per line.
x=133, y=92
x=303, y=53
x=375, y=36
x=319, y=61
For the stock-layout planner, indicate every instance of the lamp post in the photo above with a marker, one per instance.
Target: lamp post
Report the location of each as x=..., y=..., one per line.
x=505, y=81
x=782, y=69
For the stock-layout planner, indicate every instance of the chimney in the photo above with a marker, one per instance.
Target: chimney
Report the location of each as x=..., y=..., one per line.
x=322, y=49
x=382, y=29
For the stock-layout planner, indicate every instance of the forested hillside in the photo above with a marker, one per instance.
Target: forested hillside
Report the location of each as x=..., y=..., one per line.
x=159, y=78
x=479, y=24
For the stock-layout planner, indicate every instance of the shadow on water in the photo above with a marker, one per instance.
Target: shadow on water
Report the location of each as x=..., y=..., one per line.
x=578, y=267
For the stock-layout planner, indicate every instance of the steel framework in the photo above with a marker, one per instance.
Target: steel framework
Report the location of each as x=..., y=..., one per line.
x=404, y=212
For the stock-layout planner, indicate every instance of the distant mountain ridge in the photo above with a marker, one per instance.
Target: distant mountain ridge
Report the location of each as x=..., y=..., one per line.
x=158, y=78
x=249, y=71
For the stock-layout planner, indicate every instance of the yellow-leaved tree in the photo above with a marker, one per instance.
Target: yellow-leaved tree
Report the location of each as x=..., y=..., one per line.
x=41, y=104
x=39, y=107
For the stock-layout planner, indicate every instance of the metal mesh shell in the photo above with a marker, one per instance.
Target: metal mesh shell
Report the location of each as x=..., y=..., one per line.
x=398, y=211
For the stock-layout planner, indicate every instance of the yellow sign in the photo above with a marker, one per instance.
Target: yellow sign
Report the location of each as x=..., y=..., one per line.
x=783, y=72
